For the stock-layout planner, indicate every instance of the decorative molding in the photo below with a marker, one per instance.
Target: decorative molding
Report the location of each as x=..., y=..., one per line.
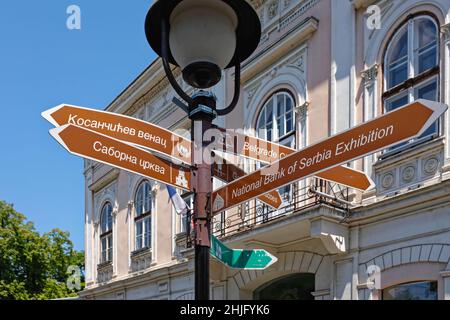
x=388, y=180
x=445, y=30
x=369, y=75
x=251, y=92
x=287, y=10
x=115, y=210
x=292, y=262
x=296, y=13
x=257, y=3
x=409, y=169
x=106, y=179
x=141, y=260
x=409, y=173
x=134, y=181
x=104, y=272
x=106, y=194
x=276, y=43
x=423, y=253
x=302, y=110
x=272, y=10
x=431, y=165
x=297, y=61
x=161, y=89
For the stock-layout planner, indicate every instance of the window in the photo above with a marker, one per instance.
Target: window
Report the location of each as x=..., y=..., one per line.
x=412, y=291
x=412, y=67
x=143, y=219
x=106, y=233
x=276, y=123
x=276, y=119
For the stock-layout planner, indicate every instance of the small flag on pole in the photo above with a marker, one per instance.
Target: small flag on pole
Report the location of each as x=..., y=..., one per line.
x=180, y=205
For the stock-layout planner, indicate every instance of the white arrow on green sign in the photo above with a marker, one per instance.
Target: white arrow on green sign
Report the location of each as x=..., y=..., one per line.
x=257, y=259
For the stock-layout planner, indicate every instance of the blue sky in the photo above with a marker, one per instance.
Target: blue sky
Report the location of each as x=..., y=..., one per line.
x=43, y=64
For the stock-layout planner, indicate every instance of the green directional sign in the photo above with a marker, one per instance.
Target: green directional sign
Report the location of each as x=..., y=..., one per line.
x=258, y=259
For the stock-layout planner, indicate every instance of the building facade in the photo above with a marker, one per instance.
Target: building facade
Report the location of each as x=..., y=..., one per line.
x=322, y=66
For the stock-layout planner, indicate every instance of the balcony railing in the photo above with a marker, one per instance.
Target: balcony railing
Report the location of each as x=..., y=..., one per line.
x=296, y=197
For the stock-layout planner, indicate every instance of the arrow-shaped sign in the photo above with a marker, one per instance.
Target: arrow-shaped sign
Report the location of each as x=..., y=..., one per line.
x=98, y=147
x=389, y=129
x=270, y=152
x=257, y=259
x=123, y=128
x=228, y=172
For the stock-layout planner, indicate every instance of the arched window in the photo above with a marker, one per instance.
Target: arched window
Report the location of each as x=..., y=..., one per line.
x=106, y=232
x=411, y=66
x=426, y=290
x=276, y=123
x=276, y=119
x=143, y=219
x=293, y=287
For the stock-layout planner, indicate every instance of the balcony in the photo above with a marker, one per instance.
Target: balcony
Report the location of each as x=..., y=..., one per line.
x=312, y=209
x=255, y=215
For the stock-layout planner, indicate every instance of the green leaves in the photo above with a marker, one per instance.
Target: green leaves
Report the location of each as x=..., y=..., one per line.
x=33, y=266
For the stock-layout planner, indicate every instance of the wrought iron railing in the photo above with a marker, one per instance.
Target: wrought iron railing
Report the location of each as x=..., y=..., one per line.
x=296, y=199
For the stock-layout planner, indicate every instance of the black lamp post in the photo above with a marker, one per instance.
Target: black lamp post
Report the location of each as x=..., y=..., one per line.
x=202, y=37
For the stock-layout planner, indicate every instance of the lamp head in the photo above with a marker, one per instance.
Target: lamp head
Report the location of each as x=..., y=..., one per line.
x=204, y=36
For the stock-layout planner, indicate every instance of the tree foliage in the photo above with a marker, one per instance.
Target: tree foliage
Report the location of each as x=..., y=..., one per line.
x=34, y=266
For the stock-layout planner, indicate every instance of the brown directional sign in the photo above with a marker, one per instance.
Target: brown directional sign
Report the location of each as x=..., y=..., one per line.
x=251, y=147
x=347, y=177
x=123, y=128
x=269, y=152
x=228, y=172
x=92, y=145
x=389, y=129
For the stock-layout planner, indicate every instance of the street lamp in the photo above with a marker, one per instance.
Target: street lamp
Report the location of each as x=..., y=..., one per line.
x=202, y=37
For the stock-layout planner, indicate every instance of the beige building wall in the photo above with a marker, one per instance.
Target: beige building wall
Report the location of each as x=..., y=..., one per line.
x=326, y=56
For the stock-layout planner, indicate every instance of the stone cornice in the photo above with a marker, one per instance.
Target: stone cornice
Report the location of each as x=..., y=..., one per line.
x=361, y=4
x=436, y=195
x=105, y=180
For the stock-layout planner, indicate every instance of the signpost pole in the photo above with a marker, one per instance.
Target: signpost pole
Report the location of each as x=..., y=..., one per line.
x=202, y=112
